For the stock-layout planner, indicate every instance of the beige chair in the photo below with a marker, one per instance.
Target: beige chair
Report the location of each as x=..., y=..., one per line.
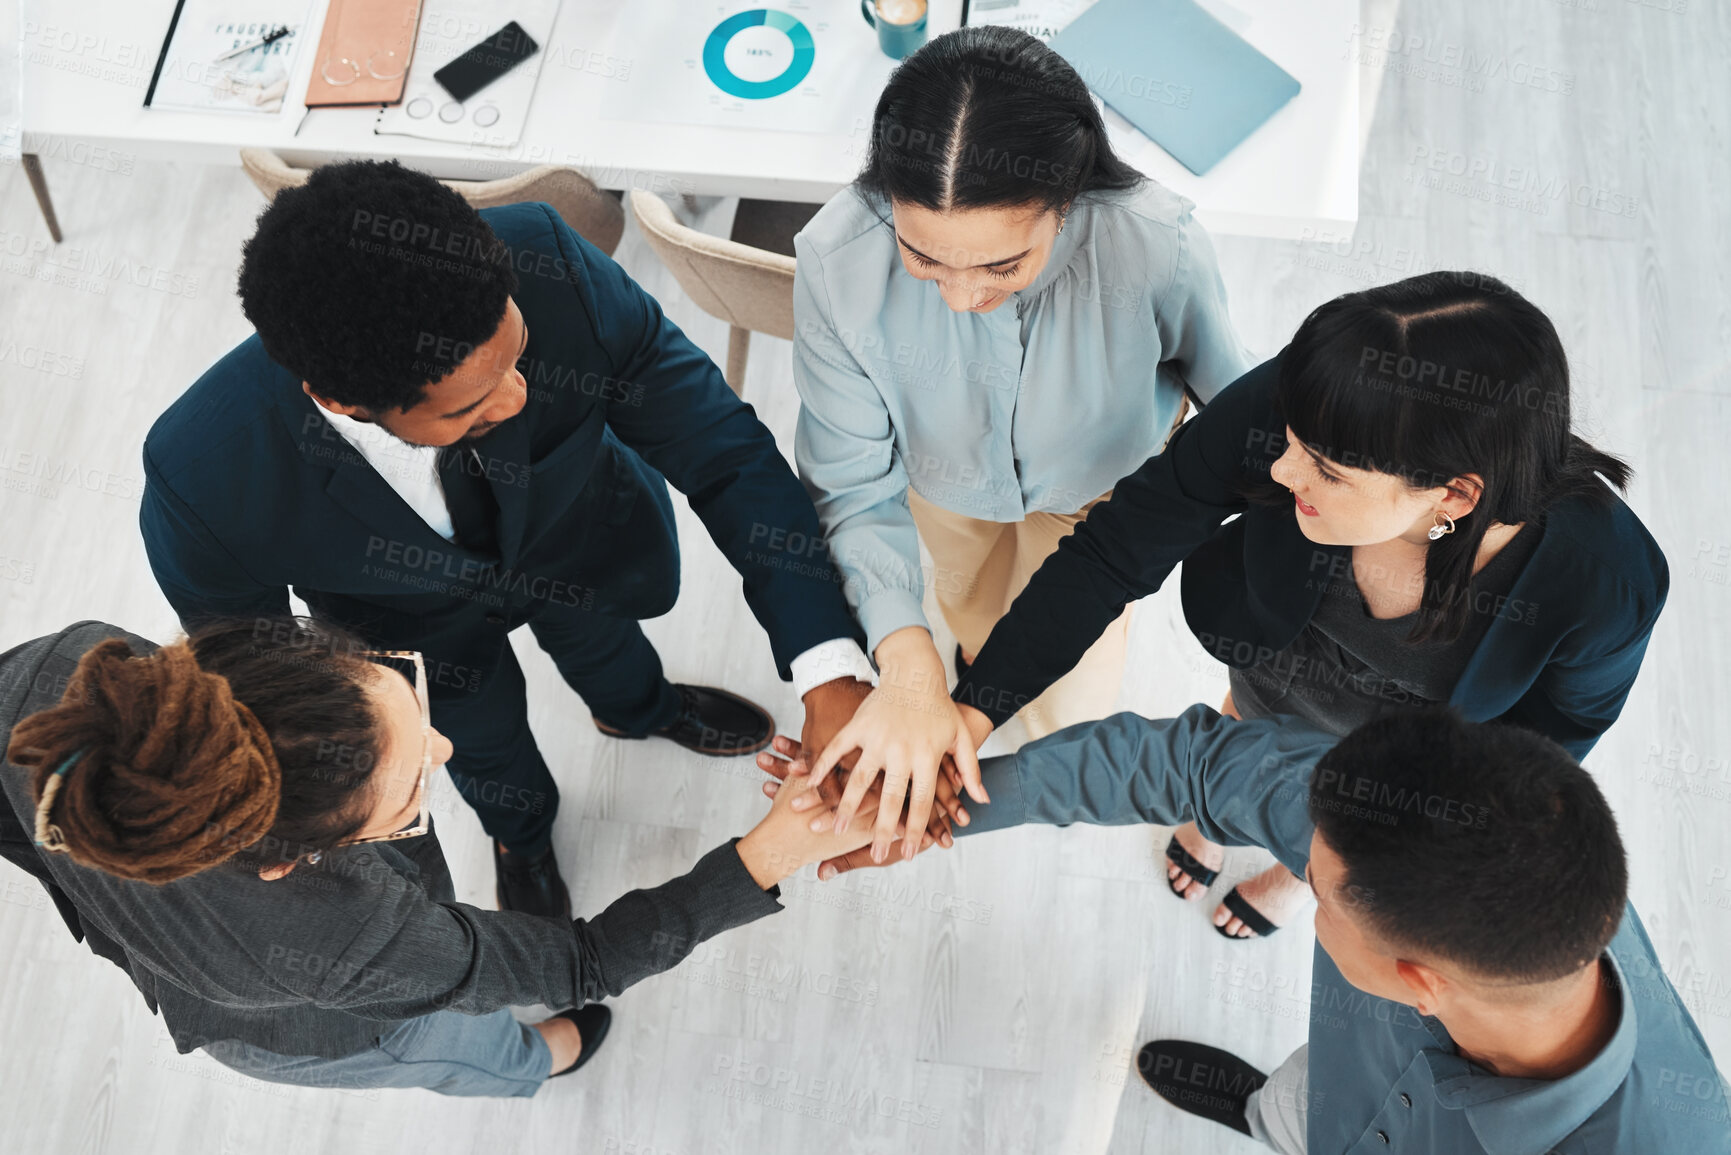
x=597, y=216
x=750, y=288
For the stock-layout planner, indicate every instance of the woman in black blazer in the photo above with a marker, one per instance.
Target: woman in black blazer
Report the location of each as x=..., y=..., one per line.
x=1414, y=523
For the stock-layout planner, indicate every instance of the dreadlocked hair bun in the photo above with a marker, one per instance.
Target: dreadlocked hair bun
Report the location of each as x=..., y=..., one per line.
x=175, y=773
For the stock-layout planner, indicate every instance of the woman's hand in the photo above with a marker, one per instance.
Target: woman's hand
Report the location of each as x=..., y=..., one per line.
x=979, y=726
x=784, y=841
x=791, y=766
x=902, y=730
x=820, y=802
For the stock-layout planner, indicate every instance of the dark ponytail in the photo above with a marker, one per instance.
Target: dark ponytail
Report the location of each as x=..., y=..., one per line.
x=989, y=117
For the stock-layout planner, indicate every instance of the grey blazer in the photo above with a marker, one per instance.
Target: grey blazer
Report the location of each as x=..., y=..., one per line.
x=324, y=961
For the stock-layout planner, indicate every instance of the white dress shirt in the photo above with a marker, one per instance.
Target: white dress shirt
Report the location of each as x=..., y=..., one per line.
x=411, y=470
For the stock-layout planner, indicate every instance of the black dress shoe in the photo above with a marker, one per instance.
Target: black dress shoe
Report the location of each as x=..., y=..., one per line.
x=1202, y=1080
x=592, y=1020
x=713, y=722
x=530, y=885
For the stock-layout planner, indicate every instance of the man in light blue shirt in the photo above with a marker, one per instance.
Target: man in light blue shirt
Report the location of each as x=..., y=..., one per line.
x=1480, y=982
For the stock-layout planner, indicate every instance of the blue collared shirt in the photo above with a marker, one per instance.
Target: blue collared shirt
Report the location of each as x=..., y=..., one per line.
x=1383, y=1078
x=1041, y=404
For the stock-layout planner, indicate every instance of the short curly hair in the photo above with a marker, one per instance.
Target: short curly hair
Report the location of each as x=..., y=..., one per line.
x=350, y=277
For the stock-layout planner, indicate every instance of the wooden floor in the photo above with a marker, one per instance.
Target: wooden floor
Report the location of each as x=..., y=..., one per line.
x=989, y=999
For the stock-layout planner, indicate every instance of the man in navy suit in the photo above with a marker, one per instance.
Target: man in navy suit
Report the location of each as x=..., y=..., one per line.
x=451, y=423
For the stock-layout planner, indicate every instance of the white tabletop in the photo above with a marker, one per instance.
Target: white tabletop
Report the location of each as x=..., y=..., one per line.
x=86, y=67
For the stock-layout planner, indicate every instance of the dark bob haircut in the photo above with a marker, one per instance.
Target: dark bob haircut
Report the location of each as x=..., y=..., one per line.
x=1434, y=378
x=989, y=117
x=348, y=275
x=1481, y=843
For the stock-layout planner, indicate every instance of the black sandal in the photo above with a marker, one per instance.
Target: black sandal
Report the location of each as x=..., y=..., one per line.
x=1247, y=914
x=1197, y=872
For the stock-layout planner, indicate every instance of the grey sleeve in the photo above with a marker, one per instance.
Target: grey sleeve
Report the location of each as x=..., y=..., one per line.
x=450, y=956
x=1243, y=783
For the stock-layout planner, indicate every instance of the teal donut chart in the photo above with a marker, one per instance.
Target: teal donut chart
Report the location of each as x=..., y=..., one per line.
x=715, y=54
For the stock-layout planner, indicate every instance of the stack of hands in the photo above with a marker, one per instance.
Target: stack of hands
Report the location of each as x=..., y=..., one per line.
x=839, y=819
x=871, y=764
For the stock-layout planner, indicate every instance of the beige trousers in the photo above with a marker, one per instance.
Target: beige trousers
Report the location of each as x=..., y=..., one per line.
x=978, y=569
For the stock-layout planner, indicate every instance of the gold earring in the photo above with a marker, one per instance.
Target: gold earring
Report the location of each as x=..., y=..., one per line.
x=1444, y=526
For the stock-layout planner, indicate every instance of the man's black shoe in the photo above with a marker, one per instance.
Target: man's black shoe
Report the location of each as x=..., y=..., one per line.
x=530, y=885
x=713, y=722
x=1202, y=1080
x=592, y=1020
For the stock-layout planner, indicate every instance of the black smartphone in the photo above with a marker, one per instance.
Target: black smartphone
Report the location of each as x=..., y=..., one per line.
x=486, y=62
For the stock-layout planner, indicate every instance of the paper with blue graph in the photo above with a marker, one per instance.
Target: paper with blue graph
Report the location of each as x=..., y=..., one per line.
x=798, y=66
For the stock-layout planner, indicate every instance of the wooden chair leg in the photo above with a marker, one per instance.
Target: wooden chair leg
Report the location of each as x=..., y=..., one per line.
x=738, y=347
x=39, y=186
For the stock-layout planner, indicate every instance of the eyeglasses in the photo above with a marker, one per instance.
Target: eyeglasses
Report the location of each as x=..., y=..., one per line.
x=410, y=664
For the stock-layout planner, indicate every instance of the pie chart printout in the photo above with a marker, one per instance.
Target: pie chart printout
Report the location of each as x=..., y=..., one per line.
x=807, y=66
x=758, y=53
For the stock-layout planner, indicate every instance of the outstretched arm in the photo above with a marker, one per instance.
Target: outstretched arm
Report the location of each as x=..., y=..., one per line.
x=418, y=956
x=1126, y=546
x=847, y=451
x=667, y=401
x=1243, y=783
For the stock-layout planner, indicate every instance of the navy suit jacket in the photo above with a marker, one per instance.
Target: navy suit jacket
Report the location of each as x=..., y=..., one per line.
x=249, y=490
x=1559, y=657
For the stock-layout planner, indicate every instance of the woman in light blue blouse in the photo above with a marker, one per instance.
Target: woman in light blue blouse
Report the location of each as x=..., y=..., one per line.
x=995, y=323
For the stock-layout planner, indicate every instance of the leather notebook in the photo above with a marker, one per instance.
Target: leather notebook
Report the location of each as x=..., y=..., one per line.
x=364, y=52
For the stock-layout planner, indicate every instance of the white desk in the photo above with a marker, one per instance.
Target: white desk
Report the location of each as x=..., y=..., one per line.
x=86, y=67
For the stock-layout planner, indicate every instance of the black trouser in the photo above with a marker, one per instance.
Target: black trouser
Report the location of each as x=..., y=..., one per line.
x=628, y=569
x=496, y=764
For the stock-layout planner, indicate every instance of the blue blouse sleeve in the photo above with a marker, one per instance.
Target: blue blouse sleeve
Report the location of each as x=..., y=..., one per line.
x=845, y=449
x=1195, y=327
